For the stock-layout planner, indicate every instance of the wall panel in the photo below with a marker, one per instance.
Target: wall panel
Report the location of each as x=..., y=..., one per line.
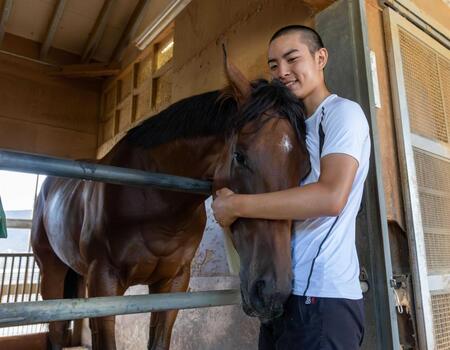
x=44, y=114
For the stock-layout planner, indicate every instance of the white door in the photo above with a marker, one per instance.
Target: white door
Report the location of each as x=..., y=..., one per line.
x=420, y=78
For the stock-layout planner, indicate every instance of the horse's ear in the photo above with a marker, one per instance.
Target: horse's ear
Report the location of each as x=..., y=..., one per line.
x=241, y=86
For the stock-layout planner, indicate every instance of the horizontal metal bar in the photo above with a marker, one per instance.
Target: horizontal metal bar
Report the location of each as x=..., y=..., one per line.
x=18, y=223
x=37, y=164
x=16, y=314
x=15, y=254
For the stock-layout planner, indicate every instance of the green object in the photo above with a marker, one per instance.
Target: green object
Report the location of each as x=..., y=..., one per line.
x=3, y=232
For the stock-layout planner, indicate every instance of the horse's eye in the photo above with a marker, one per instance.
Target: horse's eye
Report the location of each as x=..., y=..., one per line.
x=239, y=158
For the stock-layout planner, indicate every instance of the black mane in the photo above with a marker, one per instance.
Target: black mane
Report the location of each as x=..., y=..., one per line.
x=217, y=113
x=275, y=97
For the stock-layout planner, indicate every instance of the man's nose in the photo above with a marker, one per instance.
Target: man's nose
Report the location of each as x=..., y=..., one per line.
x=283, y=71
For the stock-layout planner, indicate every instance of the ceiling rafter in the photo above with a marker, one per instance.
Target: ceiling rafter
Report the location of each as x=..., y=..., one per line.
x=97, y=31
x=91, y=70
x=6, y=11
x=132, y=26
x=53, y=28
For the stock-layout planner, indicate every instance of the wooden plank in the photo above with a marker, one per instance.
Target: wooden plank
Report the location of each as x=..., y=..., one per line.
x=134, y=84
x=132, y=26
x=124, y=101
x=98, y=30
x=53, y=28
x=36, y=341
x=57, y=105
x=92, y=70
x=7, y=5
x=164, y=69
x=38, y=138
x=26, y=49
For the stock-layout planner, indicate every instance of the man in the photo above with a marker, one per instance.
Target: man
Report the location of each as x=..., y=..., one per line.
x=325, y=310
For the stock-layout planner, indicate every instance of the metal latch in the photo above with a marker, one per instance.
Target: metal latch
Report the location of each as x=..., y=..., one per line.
x=399, y=285
x=364, y=280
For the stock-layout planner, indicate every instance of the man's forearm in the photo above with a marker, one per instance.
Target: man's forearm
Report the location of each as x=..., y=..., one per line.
x=309, y=201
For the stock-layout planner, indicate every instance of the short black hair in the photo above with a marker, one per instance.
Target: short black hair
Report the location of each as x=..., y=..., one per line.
x=311, y=37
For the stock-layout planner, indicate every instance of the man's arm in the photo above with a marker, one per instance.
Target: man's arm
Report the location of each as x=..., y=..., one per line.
x=326, y=197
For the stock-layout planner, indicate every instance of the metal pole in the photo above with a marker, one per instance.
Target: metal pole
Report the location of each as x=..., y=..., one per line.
x=33, y=163
x=18, y=223
x=15, y=314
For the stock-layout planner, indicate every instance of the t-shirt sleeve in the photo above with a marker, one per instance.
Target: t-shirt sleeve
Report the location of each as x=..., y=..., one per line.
x=346, y=130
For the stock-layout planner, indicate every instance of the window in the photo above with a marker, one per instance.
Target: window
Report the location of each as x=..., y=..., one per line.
x=18, y=191
x=142, y=89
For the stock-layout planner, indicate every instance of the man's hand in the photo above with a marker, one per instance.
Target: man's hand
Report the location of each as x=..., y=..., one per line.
x=222, y=207
x=327, y=197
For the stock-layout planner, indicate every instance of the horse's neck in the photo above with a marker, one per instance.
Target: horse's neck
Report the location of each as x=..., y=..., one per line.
x=195, y=158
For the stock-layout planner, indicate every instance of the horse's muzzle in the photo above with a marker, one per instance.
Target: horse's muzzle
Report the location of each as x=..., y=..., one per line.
x=263, y=302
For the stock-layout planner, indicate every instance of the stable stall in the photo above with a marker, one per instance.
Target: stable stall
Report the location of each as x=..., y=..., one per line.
x=75, y=76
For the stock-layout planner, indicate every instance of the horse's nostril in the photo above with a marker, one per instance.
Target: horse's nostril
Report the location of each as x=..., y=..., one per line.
x=259, y=289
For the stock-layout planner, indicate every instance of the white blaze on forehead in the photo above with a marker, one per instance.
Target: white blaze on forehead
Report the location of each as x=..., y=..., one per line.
x=286, y=144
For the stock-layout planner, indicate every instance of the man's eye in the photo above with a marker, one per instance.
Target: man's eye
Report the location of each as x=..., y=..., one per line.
x=292, y=59
x=273, y=67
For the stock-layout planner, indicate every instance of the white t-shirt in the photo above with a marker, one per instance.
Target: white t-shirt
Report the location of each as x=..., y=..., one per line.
x=336, y=268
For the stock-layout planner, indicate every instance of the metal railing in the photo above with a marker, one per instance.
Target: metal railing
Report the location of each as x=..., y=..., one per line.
x=28, y=312
x=73, y=309
x=19, y=283
x=18, y=223
x=37, y=164
x=22, y=303
x=15, y=314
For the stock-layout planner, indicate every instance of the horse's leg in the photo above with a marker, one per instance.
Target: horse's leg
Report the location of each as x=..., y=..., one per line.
x=78, y=324
x=161, y=323
x=53, y=274
x=103, y=281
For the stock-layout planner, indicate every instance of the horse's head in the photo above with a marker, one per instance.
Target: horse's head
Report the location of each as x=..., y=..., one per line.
x=266, y=153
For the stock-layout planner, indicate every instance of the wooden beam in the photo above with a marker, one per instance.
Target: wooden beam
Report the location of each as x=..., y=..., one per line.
x=93, y=70
x=130, y=30
x=53, y=28
x=7, y=5
x=161, y=23
x=97, y=31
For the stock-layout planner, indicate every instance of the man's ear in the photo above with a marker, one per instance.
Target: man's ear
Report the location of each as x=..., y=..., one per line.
x=322, y=57
x=239, y=83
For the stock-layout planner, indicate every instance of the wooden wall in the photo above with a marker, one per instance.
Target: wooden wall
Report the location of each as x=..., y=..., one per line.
x=142, y=88
x=44, y=114
x=245, y=27
x=197, y=63
x=385, y=116
x=438, y=10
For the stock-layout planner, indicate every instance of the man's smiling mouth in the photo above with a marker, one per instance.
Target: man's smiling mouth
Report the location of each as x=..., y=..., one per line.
x=290, y=83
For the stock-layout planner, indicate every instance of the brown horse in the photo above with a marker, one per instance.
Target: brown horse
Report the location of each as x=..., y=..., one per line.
x=115, y=236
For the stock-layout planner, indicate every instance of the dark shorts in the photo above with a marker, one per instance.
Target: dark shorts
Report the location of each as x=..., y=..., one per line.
x=324, y=323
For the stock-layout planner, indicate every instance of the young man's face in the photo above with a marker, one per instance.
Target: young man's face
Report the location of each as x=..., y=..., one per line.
x=291, y=61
